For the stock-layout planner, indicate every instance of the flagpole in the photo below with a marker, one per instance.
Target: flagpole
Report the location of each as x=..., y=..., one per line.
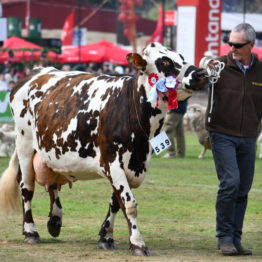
x=79, y=32
x=163, y=16
x=27, y=18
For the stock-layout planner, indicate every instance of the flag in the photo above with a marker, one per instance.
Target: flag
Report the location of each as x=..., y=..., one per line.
x=157, y=36
x=68, y=30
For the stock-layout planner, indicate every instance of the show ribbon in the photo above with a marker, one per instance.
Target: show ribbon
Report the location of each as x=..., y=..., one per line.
x=164, y=85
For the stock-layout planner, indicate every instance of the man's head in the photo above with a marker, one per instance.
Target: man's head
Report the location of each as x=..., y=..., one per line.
x=242, y=39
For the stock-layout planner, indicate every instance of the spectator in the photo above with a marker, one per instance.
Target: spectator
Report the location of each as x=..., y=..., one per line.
x=66, y=67
x=174, y=127
x=119, y=70
x=11, y=84
x=3, y=83
x=106, y=68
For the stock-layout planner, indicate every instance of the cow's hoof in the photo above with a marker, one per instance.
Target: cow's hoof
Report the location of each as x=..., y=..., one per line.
x=138, y=251
x=106, y=244
x=54, y=226
x=32, y=240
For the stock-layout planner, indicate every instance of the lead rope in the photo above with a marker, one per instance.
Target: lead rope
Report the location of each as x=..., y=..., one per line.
x=214, y=76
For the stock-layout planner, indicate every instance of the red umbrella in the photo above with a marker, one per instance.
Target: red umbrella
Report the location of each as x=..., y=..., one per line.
x=224, y=49
x=23, y=50
x=98, y=52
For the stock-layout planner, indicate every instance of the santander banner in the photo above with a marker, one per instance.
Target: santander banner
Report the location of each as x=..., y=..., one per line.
x=199, y=21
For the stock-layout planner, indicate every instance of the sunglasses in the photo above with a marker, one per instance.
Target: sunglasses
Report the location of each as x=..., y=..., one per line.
x=238, y=45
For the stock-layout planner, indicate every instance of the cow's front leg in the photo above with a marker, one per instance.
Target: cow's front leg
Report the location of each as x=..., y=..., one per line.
x=106, y=240
x=55, y=221
x=128, y=204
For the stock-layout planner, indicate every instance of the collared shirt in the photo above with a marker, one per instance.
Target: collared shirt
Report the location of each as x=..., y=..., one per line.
x=244, y=68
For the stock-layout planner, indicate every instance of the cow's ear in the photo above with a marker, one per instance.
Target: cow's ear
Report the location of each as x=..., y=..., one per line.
x=136, y=61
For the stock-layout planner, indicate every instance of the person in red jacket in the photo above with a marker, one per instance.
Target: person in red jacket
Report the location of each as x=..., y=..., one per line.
x=233, y=116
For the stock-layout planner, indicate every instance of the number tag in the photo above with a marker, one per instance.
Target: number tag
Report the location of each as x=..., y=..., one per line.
x=160, y=142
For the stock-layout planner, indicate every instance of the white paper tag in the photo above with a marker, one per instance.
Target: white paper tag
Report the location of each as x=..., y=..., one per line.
x=160, y=142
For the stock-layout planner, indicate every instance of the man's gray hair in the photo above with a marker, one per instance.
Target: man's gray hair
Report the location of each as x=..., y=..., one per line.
x=248, y=30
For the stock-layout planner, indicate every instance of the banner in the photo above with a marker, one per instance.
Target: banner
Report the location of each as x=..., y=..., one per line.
x=5, y=111
x=198, y=28
x=68, y=30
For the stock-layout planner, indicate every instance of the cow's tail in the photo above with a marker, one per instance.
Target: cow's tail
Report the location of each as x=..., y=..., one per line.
x=10, y=198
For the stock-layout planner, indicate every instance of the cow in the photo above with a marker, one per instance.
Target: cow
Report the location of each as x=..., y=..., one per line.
x=81, y=126
x=196, y=115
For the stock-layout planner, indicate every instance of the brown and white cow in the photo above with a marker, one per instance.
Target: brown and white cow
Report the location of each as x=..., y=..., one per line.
x=82, y=126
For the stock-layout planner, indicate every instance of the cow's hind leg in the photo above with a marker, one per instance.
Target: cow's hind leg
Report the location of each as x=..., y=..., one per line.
x=128, y=205
x=55, y=221
x=27, y=185
x=106, y=240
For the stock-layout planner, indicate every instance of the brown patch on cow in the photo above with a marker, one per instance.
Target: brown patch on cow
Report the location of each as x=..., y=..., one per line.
x=60, y=106
x=25, y=108
x=29, y=122
x=107, y=93
x=40, y=81
x=21, y=82
x=38, y=94
x=109, y=79
x=22, y=132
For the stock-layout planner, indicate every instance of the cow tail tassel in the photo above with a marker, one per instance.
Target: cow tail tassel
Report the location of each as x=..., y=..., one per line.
x=10, y=198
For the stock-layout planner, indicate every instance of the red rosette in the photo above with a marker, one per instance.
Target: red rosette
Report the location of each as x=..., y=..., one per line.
x=152, y=79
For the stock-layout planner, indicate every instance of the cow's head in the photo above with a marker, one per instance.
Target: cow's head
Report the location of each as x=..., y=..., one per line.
x=163, y=62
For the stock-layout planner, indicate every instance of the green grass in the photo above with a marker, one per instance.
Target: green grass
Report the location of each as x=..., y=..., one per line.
x=176, y=214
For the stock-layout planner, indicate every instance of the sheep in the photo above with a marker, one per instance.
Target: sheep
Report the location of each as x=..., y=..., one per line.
x=7, y=140
x=196, y=115
x=259, y=141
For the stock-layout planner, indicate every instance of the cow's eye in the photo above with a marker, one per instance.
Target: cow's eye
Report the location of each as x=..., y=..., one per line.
x=165, y=63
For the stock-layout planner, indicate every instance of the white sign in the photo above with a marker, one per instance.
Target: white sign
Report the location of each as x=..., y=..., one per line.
x=186, y=32
x=80, y=37
x=3, y=29
x=160, y=143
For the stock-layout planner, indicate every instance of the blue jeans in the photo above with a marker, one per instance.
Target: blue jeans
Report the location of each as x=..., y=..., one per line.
x=235, y=163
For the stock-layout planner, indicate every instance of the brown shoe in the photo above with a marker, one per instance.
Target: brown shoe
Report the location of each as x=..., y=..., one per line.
x=227, y=248
x=241, y=250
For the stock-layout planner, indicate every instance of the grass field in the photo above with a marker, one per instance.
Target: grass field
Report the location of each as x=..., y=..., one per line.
x=175, y=211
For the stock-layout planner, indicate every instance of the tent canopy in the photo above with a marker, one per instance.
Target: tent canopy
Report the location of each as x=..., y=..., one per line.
x=23, y=50
x=15, y=42
x=98, y=52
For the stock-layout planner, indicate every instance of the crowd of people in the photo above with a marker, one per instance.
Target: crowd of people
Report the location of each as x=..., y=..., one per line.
x=10, y=73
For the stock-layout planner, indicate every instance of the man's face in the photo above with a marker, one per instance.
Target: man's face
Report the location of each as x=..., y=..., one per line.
x=243, y=53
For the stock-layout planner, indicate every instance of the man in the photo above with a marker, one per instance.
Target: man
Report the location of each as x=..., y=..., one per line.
x=233, y=115
x=174, y=127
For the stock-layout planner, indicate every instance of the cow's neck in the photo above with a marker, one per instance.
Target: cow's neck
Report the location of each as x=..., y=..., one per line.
x=158, y=110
